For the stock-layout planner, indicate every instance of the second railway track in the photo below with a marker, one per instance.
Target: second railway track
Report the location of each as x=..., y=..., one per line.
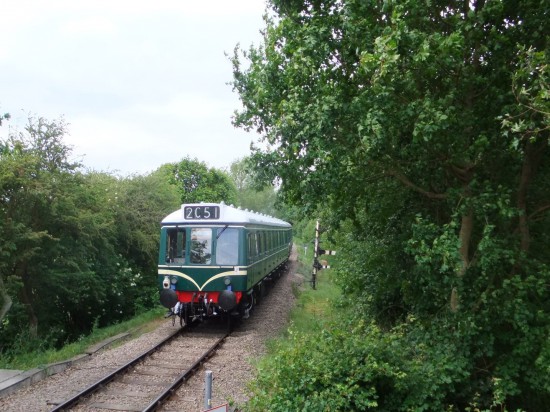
x=146, y=382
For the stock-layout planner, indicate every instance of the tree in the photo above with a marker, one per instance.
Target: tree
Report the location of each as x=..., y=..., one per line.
x=140, y=203
x=260, y=199
x=198, y=183
x=5, y=116
x=77, y=248
x=425, y=125
x=6, y=299
x=32, y=171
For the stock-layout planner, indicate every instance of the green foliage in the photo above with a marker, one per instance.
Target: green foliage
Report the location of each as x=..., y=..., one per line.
x=421, y=131
x=77, y=249
x=197, y=183
x=5, y=116
x=347, y=364
x=531, y=87
x=354, y=366
x=27, y=355
x=249, y=196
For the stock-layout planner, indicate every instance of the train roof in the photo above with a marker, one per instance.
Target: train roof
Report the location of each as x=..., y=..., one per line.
x=219, y=214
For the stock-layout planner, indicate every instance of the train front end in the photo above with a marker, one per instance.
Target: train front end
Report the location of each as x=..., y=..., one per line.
x=202, y=269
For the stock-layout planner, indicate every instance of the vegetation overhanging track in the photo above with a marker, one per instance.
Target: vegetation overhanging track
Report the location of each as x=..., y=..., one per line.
x=166, y=392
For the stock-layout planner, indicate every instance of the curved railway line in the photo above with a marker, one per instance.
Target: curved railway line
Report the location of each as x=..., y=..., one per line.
x=146, y=382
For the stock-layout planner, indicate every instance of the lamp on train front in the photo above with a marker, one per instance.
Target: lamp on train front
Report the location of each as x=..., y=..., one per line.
x=168, y=296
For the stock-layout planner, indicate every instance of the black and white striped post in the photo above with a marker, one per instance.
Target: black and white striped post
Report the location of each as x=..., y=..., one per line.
x=316, y=253
x=315, y=256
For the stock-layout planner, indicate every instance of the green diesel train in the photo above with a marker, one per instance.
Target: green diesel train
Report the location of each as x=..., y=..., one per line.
x=216, y=259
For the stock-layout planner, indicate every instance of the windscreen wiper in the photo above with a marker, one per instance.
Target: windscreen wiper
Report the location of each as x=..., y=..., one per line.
x=223, y=230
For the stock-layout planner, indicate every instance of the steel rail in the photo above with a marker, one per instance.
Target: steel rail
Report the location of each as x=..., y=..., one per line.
x=163, y=397
x=92, y=388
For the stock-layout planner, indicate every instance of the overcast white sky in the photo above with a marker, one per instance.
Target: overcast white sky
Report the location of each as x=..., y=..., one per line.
x=140, y=83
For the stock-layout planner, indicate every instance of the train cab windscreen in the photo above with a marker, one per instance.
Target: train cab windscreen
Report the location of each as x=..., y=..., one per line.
x=227, y=246
x=201, y=246
x=175, y=245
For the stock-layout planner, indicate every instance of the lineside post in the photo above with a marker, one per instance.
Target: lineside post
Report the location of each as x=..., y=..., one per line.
x=208, y=390
x=315, y=256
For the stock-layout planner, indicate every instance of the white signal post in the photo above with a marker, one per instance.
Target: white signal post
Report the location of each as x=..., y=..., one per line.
x=316, y=252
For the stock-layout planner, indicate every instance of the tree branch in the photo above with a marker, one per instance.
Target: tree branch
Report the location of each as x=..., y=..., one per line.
x=538, y=211
x=405, y=180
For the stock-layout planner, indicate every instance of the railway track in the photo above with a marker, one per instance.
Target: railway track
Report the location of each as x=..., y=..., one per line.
x=148, y=381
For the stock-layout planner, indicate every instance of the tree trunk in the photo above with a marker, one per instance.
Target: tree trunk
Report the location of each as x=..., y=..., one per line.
x=465, y=236
x=467, y=221
x=6, y=300
x=531, y=160
x=26, y=299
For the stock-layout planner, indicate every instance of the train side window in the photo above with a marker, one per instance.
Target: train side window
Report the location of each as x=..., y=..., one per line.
x=249, y=238
x=201, y=246
x=175, y=245
x=227, y=247
x=252, y=246
x=255, y=245
x=260, y=245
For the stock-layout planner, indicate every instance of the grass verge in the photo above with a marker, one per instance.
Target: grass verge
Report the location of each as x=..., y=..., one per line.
x=316, y=306
x=137, y=326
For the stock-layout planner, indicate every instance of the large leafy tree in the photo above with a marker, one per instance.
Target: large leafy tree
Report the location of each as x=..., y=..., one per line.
x=260, y=199
x=77, y=249
x=56, y=234
x=140, y=203
x=196, y=182
x=33, y=172
x=426, y=124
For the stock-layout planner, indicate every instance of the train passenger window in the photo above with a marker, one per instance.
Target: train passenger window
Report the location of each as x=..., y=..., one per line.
x=260, y=246
x=252, y=246
x=227, y=247
x=175, y=245
x=201, y=246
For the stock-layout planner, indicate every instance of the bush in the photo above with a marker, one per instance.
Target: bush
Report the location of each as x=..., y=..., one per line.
x=356, y=366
